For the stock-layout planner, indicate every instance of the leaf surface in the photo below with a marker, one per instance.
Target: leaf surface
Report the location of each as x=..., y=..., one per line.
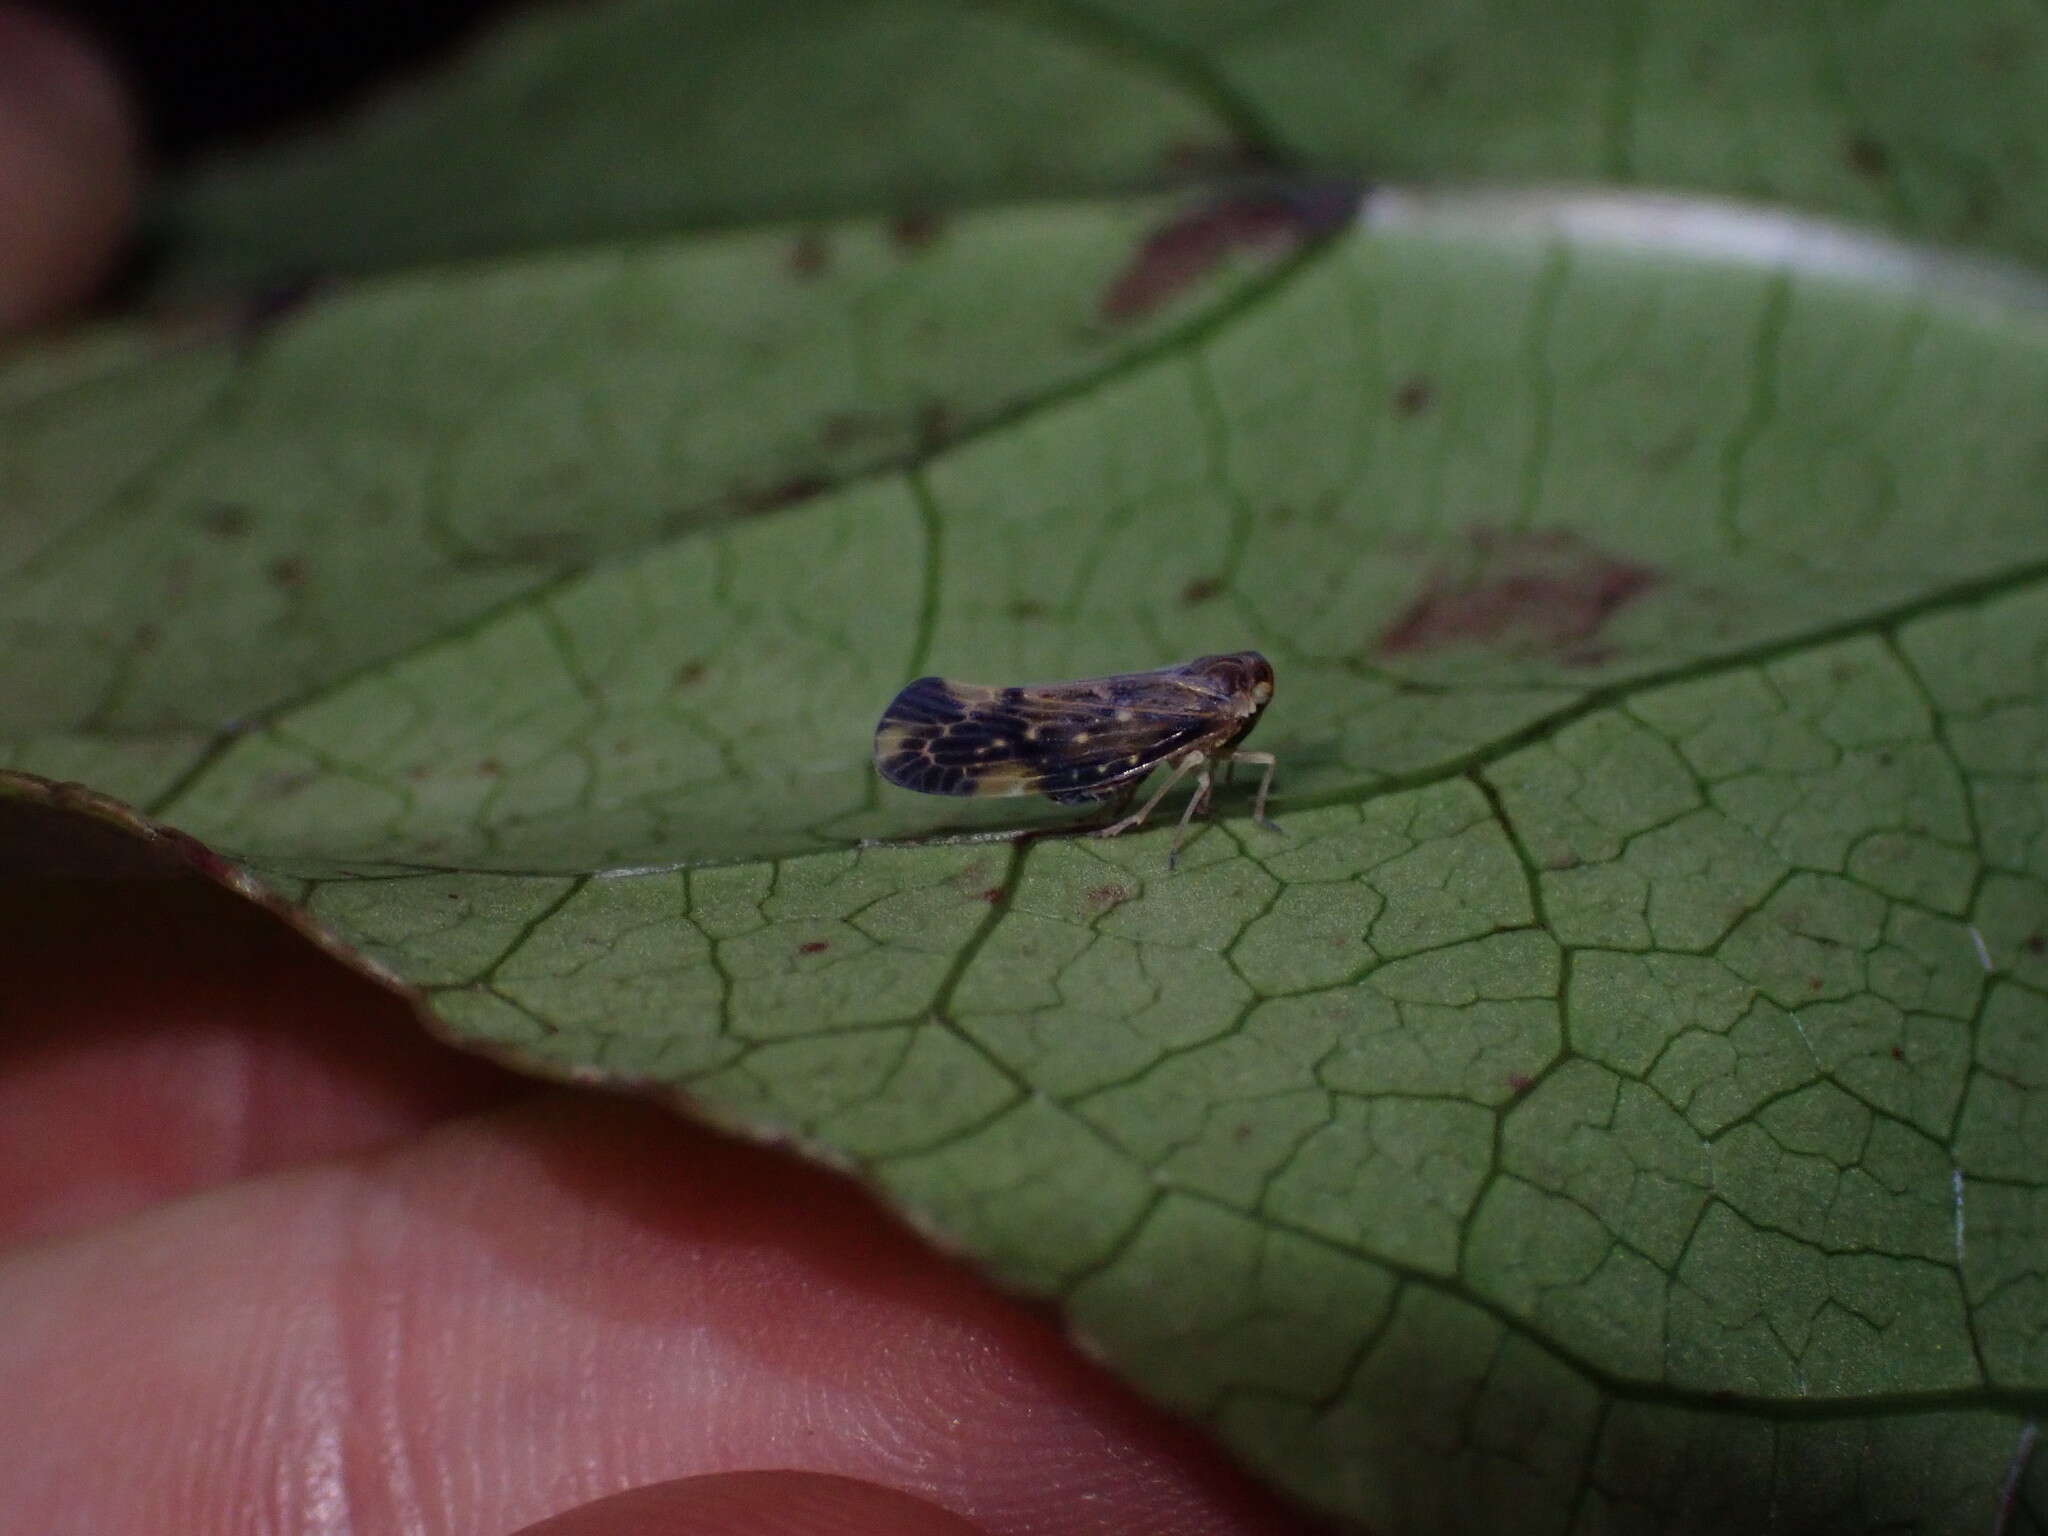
x=1663, y=650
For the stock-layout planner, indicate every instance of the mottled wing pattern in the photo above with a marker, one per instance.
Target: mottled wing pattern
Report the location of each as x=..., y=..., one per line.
x=1073, y=742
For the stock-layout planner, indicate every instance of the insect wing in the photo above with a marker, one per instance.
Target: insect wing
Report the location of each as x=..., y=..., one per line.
x=1075, y=742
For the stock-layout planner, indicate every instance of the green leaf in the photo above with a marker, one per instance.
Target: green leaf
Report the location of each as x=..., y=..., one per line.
x=1599, y=1065
x=644, y=117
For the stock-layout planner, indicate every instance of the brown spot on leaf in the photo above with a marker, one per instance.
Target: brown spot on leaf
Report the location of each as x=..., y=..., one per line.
x=813, y=947
x=991, y=895
x=490, y=768
x=1103, y=897
x=914, y=231
x=1898, y=1053
x=1027, y=608
x=286, y=571
x=809, y=255
x=1201, y=589
x=1415, y=396
x=1523, y=592
x=689, y=674
x=1173, y=258
x=2035, y=943
x=1520, y=1082
x=1867, y=156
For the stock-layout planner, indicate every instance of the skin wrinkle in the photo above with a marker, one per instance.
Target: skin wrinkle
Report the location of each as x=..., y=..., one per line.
x=393, y=1228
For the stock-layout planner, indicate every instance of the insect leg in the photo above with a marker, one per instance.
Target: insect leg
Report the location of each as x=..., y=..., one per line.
x=1137, y=818
x=1196, y=801
x=1259, y=802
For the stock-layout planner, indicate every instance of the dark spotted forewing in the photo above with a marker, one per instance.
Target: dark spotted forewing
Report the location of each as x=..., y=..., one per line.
x=1074, y=742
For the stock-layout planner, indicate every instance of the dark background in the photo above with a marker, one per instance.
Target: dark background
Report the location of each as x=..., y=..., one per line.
x=209, y=74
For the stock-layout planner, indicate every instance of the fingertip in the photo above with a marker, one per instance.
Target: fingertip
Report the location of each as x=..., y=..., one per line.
x=69, y=167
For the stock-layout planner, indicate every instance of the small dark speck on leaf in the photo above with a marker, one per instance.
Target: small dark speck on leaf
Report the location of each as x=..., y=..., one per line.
x=286, y=571
x=1414, y=397
x=1524, y=592
x=810, y=255
x=277, y=302
x=786, y=494
x=914, y=231
x=813, y=947
x=992, y=895
x=419, y=771
x=1521, y=1082
x=845, y=429
x=1201, y=589
x=145, y=637
x=1814, y=983
x=1194, y=159
x=1868, y=157
x=935, y=426
x=1241, y=1132
x=1898, y=1053
x=490, y=768
x=1027, y=608
x=283, y=785
x=224, y=520
x=1103, y=897
x=1429, y=77
x=1173, y=258
x=2035, y=943
x=689, y=673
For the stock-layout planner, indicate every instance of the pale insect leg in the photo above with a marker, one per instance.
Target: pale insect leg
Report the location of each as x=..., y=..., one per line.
x=1259, y=802
x=1196, y=801
x=1137, y=817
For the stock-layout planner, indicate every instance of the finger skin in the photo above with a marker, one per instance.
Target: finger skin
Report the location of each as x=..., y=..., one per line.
x=528, y=1309
x=757, y=1504
x=162, y=1036
x=68, y=168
